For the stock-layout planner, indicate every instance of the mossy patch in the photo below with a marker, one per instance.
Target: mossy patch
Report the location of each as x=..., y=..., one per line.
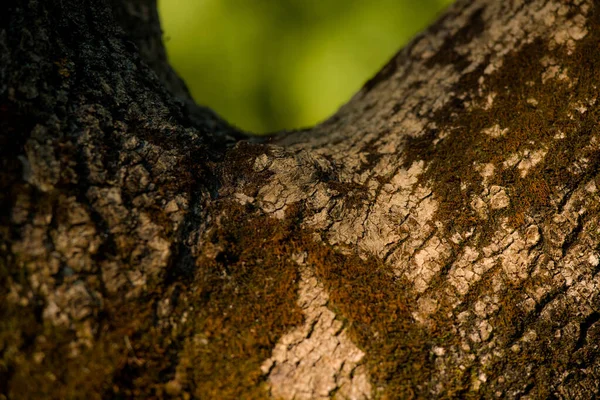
x=53, y=363
x=245, y=300
x=377, y=309
x=531, y=125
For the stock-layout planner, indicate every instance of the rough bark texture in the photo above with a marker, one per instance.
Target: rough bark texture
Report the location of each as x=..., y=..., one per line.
x=438, y=237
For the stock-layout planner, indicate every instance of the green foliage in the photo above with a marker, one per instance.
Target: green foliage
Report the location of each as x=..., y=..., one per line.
x=267, y=65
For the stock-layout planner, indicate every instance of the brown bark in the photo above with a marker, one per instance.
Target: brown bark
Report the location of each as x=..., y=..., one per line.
x=437, y=238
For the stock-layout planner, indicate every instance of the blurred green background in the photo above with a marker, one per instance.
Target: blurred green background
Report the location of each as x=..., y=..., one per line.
x=267, y=65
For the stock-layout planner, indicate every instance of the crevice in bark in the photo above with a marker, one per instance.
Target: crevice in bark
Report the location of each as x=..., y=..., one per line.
x=584, y=328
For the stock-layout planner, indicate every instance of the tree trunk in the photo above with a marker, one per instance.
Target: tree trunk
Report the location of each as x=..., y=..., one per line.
x=438, y=237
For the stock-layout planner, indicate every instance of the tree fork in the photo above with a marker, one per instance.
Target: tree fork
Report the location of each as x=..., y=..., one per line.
x=437, y=237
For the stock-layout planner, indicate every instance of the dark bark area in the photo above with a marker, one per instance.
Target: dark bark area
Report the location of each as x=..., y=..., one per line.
x=437, y=238
x=93, y=148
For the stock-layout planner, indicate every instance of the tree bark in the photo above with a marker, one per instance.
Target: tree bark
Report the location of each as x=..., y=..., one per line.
x=438, y=237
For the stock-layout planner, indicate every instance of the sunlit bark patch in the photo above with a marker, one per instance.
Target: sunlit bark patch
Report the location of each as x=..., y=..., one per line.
x=316, y=359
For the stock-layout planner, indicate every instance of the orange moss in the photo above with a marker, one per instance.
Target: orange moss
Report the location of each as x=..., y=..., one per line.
x=245, y=301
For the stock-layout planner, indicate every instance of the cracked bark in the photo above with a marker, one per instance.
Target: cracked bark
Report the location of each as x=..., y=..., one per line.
x=437, y=238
